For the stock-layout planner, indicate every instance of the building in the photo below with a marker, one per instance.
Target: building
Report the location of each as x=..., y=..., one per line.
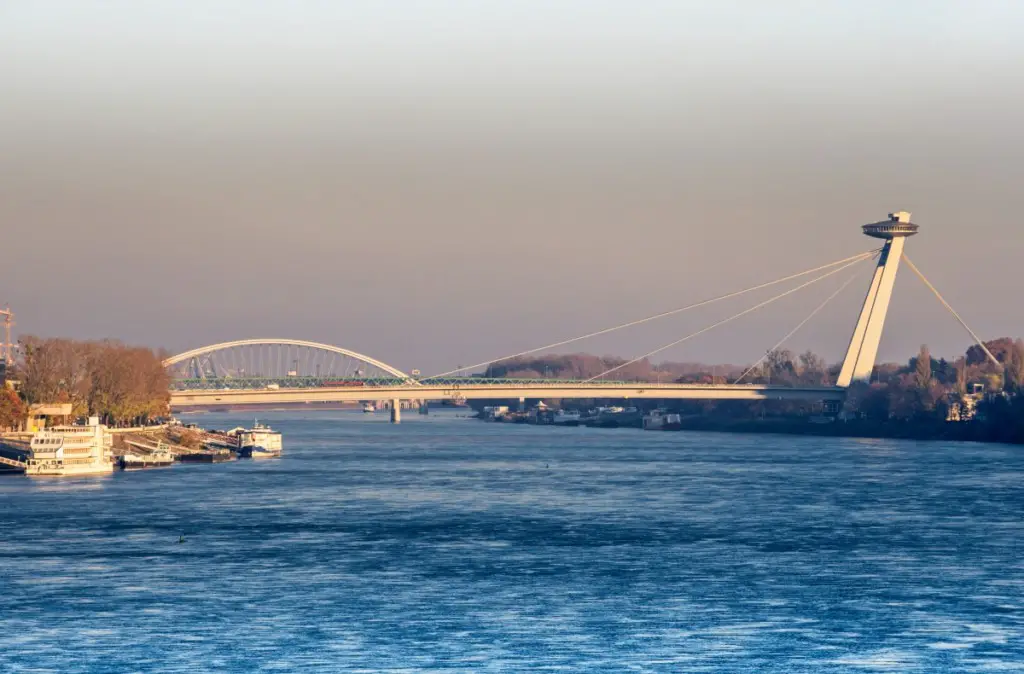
x=42, y=415
x=965, y=407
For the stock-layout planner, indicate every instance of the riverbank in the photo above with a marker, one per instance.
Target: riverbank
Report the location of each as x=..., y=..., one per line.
x=924, y=430
x=894, y=430
x=138, y=447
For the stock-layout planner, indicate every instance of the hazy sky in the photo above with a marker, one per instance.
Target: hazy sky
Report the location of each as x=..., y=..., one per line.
x=437, y=183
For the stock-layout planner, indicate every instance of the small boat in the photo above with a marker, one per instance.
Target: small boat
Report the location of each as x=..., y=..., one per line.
x=619, y=417
x=158, y=458
x=660, y=420
x=212, y=456
x=567, y=418
x=369, y=408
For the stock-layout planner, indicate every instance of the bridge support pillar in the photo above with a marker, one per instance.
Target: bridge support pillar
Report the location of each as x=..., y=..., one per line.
x=860, y=356
x=522, y=405
x=423, y=407
x=396, y=411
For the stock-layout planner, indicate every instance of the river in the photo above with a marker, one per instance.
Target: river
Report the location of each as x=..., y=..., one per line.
x=448, y=544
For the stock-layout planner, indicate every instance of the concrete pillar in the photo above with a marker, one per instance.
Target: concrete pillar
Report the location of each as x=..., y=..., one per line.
x=860, y=356
x=423, y=407
x=396, y=411
x=522, y=404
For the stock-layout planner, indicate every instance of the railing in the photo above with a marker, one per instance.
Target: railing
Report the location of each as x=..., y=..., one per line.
x=11, y=462
x=136, y=429
x=251, y=384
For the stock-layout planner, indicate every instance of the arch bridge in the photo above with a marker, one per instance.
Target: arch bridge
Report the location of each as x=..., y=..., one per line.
x=270, y=364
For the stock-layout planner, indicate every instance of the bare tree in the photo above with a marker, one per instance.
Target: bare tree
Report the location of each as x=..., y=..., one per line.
x=923, y=368
x=961, y=376
x=813, y=369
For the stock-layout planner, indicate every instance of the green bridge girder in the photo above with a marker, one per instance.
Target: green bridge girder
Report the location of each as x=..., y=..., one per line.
x=251, y=383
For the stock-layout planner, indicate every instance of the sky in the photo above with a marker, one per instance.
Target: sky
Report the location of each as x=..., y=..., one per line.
x=439, y=183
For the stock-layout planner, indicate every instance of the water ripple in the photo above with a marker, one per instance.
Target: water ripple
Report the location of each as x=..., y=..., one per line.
x=447, y=545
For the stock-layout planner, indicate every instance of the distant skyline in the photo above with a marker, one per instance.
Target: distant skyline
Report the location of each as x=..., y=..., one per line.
x=438, y=183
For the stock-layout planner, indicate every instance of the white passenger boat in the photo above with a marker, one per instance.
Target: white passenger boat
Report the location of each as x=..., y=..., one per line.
x=71, y=450
x=258, y=442
x=369, y=408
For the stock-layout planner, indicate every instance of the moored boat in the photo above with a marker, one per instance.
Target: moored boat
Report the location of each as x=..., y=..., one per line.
x=660, y=420
x=71, y=450
x=135, y=460
x=210, y=456
x=567, y=418
x=618, y=417
x=258, y=442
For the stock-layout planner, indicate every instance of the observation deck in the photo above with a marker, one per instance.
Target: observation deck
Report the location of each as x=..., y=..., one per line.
x=898, y=225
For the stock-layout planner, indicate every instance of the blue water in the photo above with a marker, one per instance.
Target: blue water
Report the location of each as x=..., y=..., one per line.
x=446, y=544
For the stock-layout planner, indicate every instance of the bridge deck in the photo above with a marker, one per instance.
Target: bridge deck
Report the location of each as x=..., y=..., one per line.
x=498, y=389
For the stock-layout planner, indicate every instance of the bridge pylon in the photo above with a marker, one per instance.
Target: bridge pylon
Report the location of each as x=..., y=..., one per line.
x=863, y=349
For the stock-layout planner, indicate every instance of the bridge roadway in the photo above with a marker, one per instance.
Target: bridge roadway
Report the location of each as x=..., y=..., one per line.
x=500, y=391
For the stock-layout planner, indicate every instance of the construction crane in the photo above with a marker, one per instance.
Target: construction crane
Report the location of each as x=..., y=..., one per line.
x=6, y=348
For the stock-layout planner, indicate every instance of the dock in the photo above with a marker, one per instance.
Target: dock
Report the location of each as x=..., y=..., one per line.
x=12, y=463
x=178, y=452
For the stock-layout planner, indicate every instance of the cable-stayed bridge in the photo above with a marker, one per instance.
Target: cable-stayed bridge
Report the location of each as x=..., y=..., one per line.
x=279, y=371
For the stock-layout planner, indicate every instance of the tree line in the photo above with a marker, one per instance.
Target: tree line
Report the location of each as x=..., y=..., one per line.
x=584, y=366
x=121, y=384
x=926, y=387
x=921, y=388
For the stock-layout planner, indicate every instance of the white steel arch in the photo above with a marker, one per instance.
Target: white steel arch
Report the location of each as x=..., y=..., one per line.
x=202, y=351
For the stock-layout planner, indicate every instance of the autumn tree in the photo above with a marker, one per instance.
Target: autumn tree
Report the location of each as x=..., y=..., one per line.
x=119, y=383
x=999, y=348
x=1014, y=367
x=12, y=409
x=128, y=383
x=41, y=370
